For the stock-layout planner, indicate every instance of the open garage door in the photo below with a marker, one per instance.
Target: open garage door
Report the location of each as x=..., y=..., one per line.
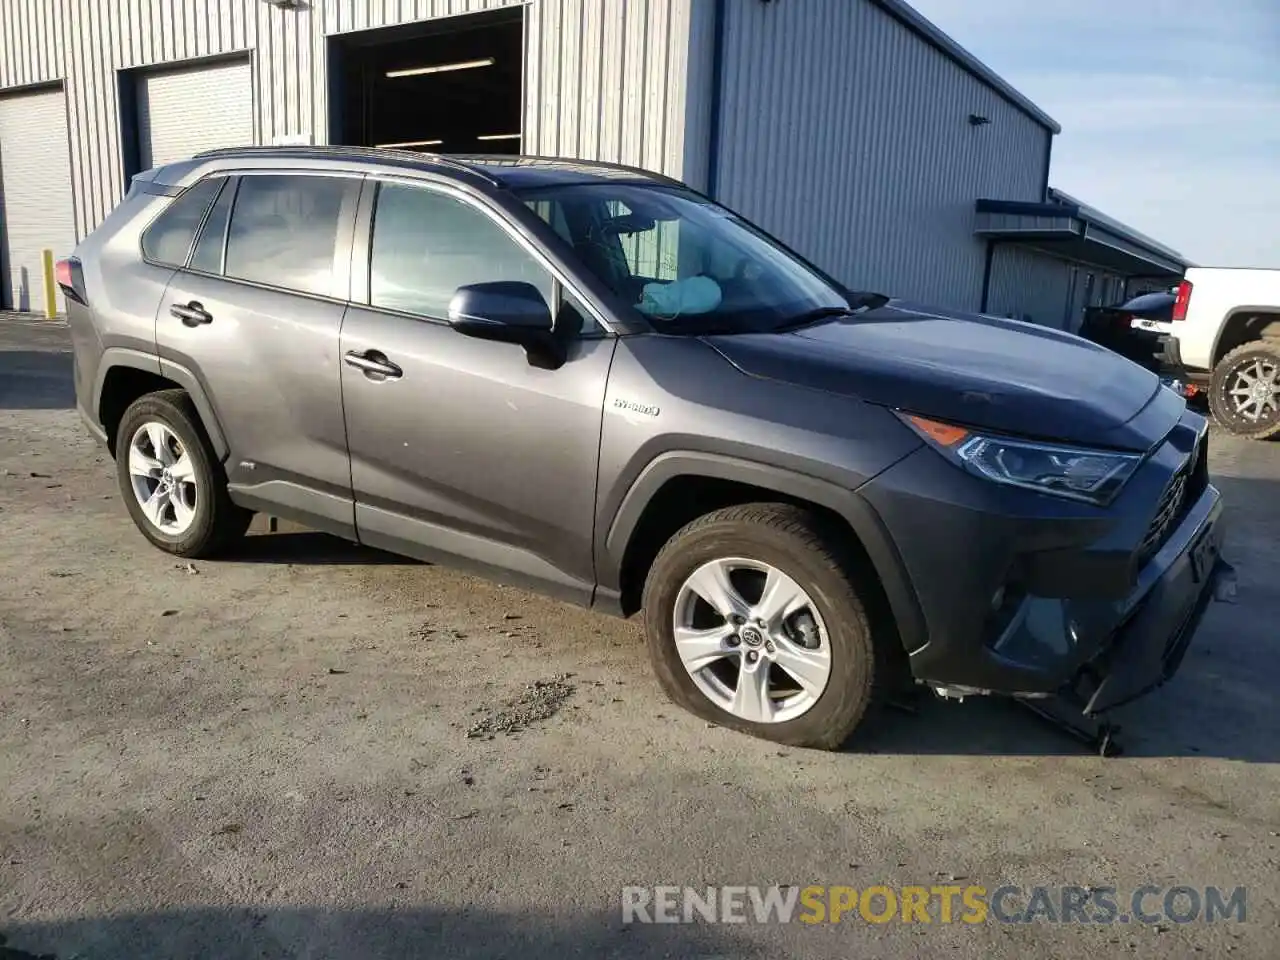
x=36, y=209
x=184, y=111
x=449, y=85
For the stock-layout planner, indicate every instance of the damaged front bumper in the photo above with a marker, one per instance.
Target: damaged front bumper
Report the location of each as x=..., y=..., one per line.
x=1070, y=609
x=1149, y=645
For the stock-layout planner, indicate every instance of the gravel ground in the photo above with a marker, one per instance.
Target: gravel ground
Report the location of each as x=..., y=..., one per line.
x=315, y=750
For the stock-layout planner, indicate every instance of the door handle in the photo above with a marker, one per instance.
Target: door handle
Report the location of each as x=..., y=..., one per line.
x=192, y=314
x=373, y=364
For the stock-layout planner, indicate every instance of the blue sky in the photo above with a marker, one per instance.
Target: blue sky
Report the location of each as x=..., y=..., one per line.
x=1170, y=109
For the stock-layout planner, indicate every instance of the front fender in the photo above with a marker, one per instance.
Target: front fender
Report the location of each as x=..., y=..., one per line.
x=613, y=537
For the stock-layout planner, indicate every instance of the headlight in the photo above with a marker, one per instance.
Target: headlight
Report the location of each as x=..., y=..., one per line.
x=1094, y=476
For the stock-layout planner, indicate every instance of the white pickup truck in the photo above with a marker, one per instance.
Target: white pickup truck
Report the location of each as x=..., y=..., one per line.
x=1225, y=336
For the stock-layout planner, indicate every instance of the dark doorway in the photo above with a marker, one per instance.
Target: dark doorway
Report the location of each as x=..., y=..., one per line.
x=451, y=85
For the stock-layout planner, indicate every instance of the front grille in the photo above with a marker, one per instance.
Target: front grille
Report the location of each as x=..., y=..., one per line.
x=1199, y=478
x=1183, y=490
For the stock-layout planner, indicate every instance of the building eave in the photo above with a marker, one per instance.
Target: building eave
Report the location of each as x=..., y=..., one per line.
x=929, y=32
x=1076, y=232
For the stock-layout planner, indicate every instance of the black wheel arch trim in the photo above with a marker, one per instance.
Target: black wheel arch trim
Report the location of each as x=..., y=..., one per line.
x=1230, y=315
x=856, y=511
x=115, y=357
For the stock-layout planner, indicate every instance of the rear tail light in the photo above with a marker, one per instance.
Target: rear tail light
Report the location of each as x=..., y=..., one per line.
x=70, y=279
x=1182, y=299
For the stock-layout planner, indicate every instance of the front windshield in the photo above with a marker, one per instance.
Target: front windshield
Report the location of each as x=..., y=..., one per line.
x=688, y=265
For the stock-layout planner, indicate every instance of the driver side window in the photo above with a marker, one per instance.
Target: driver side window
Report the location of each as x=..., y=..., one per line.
x=427, y=244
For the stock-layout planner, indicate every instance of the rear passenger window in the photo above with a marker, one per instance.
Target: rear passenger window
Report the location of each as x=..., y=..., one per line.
x=208, y=253
x=284, y=231
x=168, y=240
x=427, y=244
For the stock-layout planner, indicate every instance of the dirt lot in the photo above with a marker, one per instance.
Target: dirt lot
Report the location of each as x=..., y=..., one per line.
x=307, y=751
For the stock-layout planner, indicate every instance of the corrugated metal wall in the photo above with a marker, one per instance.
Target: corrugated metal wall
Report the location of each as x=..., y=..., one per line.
x=846, y=135
x=1029, y=285
x=604, y=79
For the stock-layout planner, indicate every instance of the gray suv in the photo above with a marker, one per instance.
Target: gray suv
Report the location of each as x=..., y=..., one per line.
x=597, y=383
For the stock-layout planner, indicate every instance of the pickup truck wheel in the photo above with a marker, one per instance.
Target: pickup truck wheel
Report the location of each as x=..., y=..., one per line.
x=171, y=480
x=1244, y=391
x=753, y=624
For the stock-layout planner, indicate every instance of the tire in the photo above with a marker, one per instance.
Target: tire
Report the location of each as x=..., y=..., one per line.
x=1227, y=377
x=788, y=539
x=214, y=521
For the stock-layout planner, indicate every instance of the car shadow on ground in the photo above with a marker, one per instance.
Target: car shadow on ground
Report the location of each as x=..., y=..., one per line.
x=36, y=380
x=1180, y=719
x=270, y=933
x=304, y=547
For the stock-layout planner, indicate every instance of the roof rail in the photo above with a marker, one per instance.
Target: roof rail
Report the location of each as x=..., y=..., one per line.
x=498, y=158
x=333, y=151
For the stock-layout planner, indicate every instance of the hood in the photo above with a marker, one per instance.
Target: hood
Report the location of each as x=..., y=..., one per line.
x=985, y=372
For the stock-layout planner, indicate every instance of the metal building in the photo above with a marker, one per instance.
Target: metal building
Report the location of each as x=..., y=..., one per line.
x=853, y=129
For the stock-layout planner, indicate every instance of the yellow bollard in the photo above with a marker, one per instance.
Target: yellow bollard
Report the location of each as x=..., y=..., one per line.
x=50, y=286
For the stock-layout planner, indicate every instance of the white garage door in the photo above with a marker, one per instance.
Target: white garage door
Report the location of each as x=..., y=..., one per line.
x=36, y=210
x=181, y=112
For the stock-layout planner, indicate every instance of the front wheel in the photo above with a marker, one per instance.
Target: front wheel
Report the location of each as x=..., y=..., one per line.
x=1244, y=391
x=753, y=623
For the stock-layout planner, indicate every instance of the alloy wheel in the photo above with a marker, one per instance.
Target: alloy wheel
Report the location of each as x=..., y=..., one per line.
x=163, y=478
x=1255, y=390
x=752, y=640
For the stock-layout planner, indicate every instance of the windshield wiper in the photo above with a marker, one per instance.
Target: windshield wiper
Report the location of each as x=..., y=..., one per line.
x=859, y=300
x=810, y=317
x=865, y=299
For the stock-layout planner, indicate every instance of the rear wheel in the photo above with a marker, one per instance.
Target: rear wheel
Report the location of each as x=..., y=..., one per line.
x=753, y=623
x=171, y=480
x=1244, y=391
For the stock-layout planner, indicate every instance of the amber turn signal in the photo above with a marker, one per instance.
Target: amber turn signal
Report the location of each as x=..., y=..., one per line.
x=943, y=434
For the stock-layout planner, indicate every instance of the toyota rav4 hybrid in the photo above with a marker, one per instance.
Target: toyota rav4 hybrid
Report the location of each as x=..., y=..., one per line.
x=599, y=384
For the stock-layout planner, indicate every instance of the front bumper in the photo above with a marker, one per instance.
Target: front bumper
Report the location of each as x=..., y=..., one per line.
x=1028, y=595
x=1148, y=648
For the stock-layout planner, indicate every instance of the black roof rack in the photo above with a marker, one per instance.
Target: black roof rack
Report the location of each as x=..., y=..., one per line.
x=478, y=165
x=500, y=159
x=404, y=158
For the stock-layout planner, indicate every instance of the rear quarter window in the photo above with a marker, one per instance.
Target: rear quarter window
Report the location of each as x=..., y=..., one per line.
x=168, y=240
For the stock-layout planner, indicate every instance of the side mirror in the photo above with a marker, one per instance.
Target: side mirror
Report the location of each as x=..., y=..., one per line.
x=508, y=311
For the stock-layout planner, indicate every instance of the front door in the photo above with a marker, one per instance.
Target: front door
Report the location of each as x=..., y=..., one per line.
x=461, y=449
x=255, y=319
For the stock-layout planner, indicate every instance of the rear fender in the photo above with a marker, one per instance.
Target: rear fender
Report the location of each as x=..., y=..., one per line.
x=115, y=357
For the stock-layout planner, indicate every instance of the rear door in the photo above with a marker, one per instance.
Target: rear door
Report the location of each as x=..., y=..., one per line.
x=254, y=316
x=467, y=452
